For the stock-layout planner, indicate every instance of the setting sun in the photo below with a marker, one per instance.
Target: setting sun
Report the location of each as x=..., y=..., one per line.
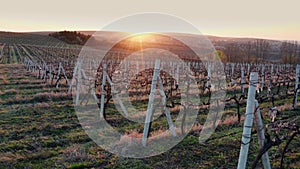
x=141, y=36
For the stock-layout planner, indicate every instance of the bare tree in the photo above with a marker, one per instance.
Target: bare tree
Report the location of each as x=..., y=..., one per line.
x=261, y=49
x=247, y=50
x=297, y=52
x=234, y=51
x=230, y=52
x=289, y=52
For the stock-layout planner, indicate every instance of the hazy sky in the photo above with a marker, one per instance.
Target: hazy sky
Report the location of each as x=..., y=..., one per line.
x=255, y=18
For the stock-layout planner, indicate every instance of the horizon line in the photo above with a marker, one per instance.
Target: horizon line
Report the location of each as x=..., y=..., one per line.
x=213, y=35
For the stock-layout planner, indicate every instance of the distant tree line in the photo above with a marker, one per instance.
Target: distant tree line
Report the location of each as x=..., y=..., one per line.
x=260, y=50
x=289, y=52
x=71, y=37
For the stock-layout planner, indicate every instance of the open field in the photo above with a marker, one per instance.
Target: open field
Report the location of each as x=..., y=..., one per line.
x=39, y=127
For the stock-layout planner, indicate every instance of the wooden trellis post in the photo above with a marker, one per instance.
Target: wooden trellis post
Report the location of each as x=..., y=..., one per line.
x=252, y=113
x=117, y=96
x=261, y=135
x=125, y=70
x=90, y=88
x=50, y=74
x=77, y=67
x=111, y=65
x=53, y=72
x=104, y=78
x=248, y=121
x=166, y=110
x=296, y=87
x=232, y=73
x=77, y=71
x=102, y=91
x=61, y=70
x=80, y=76
x=248, y=69
x=262, y=77
x=34, y=69
x=150, y=104
x=208, y=76
x=272, y=70
x=242, y=79
x=78, y=84
x=177, y=74
x=45, y=72
x=1, y=52
x=39, y=73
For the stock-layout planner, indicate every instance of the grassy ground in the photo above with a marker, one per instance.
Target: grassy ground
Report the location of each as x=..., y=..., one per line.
x=39, y=129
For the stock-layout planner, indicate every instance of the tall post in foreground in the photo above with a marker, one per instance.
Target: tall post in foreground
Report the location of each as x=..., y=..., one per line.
x=248, y=121
x=261, y=136
x=156, y=79
x=151, y=99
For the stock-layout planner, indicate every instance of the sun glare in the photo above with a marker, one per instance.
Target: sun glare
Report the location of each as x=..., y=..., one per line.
x=141, y=36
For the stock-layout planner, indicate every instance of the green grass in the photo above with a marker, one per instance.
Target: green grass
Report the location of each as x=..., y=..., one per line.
x=45, y=133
